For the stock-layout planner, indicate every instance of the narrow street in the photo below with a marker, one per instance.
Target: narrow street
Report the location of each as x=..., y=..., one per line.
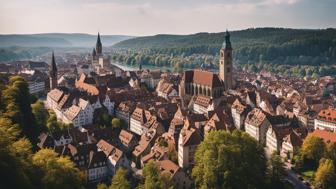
x=293, y=178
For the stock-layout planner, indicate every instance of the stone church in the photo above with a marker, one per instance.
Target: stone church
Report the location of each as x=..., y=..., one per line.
x=206, y=83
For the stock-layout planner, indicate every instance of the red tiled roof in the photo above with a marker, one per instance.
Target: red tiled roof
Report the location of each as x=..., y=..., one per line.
x=327, y=136
x=202, y=77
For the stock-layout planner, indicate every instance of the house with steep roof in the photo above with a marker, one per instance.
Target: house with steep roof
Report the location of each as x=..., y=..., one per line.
x=239, y=112
x=256, y=124
x=116, y=158
x=161, y=150
x=128, y=140
x=146, y=142
x=124, y=111
x=188, y=141
x=219, y=120
x=274, y=137
x=166, y=90
x=138, y=120
x=177, y=176
x=151, y=78
x=202, y=104
x=326, y=120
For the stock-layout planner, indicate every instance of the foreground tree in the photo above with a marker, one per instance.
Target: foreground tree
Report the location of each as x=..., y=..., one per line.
x=276, y=170
x=18, y=108
x=225, y=160
x=331, y=151
x=313, y=148
x=56, y=172
x=119, y=180
x=153, y=179
x=41, y=115
x=14, y=158
x=325, y=175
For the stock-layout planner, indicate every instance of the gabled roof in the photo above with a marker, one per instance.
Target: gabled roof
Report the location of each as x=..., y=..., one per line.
x=125, y=137
x=202, y=77
x=167, y=166
x=190, y=137
x=256, y=117
x=72, y=112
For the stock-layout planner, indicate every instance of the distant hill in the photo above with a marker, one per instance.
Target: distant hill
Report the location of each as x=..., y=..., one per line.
x=58, y=40
x=274, y=45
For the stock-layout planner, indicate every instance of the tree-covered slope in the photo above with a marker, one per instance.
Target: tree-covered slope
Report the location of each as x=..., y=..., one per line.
x=274, y=45
x=58, y=40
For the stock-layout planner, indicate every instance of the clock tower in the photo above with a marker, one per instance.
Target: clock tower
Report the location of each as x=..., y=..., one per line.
x=225, y=63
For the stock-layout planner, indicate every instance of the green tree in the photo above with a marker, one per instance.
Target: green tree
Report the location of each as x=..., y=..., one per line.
x=116, y=123
x=331, y=151
x=102, y=186
x=13, y=159
x=325, y=177
x=102, y=118
x=41, y=115
x=276, y=169
x=225, y=160
x=313, y=148
x=18, y=108
x=119, y=180
x=12, y=130
x=152, y=178
x=52, y=123
x=56, y=172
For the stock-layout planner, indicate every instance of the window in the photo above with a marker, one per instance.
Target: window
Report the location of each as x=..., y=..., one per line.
x=228, y=70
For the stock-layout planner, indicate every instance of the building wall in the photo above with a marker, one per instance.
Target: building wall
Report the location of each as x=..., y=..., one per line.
x=136, y=126
x=271, y=141
x=287, y=149
x=97, y=174
x=259, y=133
x=324, y=125
x=36, y=87
x=238, y=119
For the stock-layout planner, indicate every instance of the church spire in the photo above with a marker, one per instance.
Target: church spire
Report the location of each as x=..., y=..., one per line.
x=53, y=72
x=53, y=64
x=99, y=47
x=227, y=42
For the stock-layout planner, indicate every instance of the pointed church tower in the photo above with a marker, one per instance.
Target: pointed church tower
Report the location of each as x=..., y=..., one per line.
x=53, y=73
x=225, y=63
x=99, y=47
x=94, y=53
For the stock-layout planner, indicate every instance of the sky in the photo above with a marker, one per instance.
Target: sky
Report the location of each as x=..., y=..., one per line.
x=149, y=17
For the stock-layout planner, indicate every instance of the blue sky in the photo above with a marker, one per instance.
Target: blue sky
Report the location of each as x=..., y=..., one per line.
x=148, y=17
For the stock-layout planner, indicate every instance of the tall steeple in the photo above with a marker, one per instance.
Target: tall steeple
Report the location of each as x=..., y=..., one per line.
x=225, y=62
x=227, y=44
x=53, y=72
x=99, y=46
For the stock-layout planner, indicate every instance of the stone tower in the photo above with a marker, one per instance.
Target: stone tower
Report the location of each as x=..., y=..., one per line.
x=225, y=63
x=53, y=73
x=99, y=47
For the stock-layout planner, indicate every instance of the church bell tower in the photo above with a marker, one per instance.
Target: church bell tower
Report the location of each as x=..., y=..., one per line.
x=225, y=63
